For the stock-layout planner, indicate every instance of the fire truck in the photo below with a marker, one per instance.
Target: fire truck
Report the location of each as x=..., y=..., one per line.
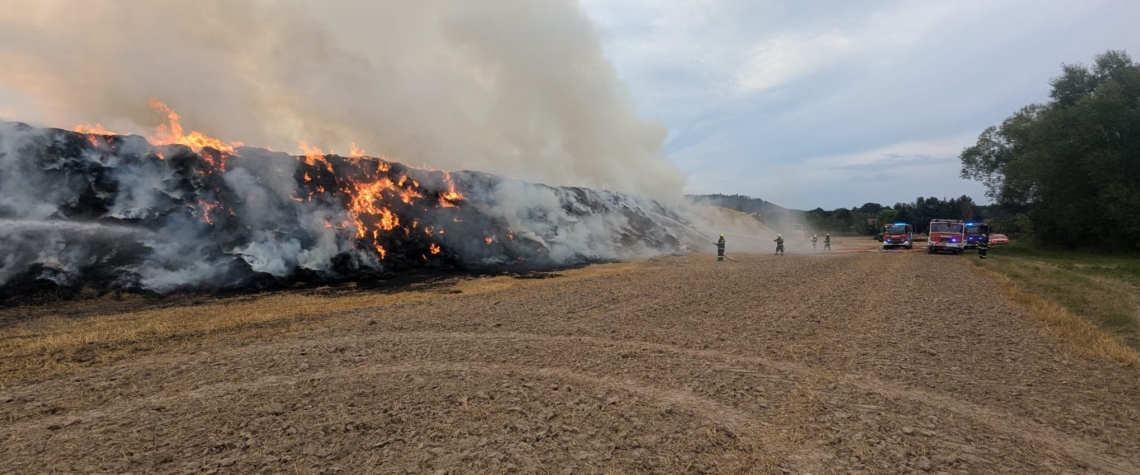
x=974, y=232
x=898, y=235
x=946, y=236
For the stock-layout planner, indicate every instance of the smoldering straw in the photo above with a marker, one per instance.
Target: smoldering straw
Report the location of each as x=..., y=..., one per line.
x=115, y=212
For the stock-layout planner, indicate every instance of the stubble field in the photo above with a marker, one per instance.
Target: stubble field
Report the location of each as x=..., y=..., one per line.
x=860, y=362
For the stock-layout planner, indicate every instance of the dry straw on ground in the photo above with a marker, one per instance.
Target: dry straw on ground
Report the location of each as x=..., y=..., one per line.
x=1077, y=331
x=51, y=344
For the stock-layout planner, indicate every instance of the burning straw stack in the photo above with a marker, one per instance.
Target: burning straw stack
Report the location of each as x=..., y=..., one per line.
x=119, y=212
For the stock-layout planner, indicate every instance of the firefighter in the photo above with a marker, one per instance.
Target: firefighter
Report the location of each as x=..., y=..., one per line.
x=983, y=246
x=814, y=238
x=827, y=242
x=720, y=248
x=779, y=244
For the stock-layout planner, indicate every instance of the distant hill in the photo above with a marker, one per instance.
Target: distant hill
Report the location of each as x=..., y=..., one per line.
x=773, y=214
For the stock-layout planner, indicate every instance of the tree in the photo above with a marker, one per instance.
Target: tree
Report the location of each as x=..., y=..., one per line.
x=1072, y=165
x=871, y=208
x=965, y=208
x=887, y=216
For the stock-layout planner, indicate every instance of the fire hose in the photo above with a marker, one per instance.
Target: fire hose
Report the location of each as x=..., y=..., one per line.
x=729, y=258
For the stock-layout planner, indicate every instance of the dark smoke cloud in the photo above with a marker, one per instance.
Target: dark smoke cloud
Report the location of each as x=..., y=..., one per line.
x=515, y=87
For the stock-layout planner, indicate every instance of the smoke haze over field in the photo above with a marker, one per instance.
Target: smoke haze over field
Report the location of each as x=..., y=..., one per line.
x=516, y=87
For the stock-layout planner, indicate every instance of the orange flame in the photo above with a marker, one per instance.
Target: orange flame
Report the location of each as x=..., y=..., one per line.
x=206, y=208
x=368, y=198
x=355, y=152
x=96, y=129
x=448, y=198
x=314, y=155
x=171, y=133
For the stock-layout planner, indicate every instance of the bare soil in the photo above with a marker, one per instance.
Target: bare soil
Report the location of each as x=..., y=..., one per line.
x=864, y=362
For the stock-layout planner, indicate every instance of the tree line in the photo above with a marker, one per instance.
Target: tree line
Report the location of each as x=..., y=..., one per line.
x=870, y=218
x=866, y=219
x=1068, y=171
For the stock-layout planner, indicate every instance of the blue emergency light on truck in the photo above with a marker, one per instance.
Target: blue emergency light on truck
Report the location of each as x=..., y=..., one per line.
x=974, y=232
x=898, y=235
x=946, y=236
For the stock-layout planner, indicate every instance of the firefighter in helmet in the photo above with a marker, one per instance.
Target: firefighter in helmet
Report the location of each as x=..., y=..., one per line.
x=720, y=248
x=827, y=242
x=983, y=245
x=779, y=244
x=814, y=238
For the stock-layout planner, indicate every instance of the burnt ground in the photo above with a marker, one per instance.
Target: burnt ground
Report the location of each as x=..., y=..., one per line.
x=853, y=363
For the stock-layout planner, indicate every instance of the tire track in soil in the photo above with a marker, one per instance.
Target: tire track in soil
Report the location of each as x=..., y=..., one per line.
x=1088, y=452
x=737, y=420
x=862, y=291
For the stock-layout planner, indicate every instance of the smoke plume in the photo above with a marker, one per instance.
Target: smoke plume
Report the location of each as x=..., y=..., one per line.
x=514, y=87
x=517, y=89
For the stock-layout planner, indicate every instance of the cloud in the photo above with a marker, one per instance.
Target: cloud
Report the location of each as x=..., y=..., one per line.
x=896, y=172
x=899, y=161
x=785, y=58
x=796, y=102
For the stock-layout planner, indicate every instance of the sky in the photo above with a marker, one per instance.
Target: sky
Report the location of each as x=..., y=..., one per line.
x=834, y=104
x=803, y=103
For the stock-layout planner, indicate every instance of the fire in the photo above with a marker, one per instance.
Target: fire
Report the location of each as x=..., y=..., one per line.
x=448, y=198
x=96, y=129
x=206, y=207
x=408, y=195
x=370, y=197
x=171, y=133
x=167, y=133
x=314, y=155
x=355, y=152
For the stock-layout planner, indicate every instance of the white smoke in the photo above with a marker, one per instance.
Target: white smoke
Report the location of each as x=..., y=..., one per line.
x=514, y=87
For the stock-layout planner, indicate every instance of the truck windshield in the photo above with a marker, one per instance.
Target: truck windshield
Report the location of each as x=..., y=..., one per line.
x=974, y=230
x=896, y=229
x=945, y=228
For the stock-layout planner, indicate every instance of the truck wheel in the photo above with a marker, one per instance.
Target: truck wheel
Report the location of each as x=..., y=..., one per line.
x=930, y=250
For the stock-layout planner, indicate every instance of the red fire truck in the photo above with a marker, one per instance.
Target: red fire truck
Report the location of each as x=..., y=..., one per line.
x=974, y=232
x=898, y=235
x=946, y=236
